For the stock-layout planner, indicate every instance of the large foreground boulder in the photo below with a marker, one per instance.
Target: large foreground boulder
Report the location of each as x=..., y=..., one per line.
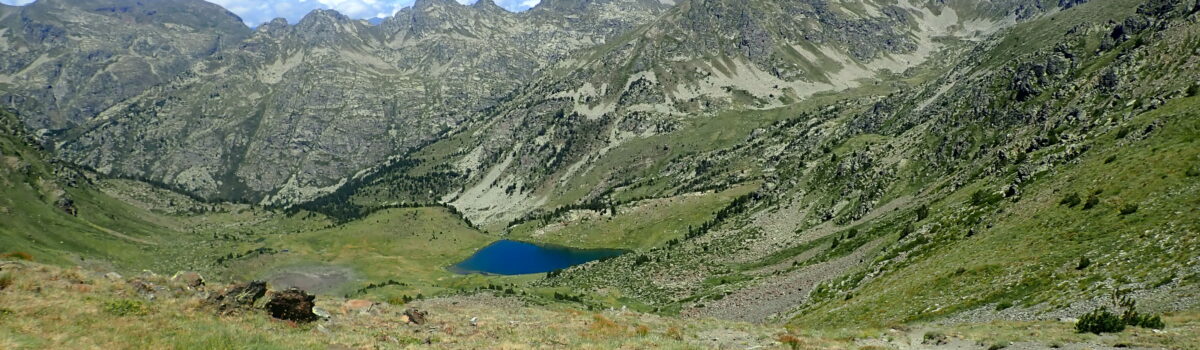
x=292, y=305
x=239, y=296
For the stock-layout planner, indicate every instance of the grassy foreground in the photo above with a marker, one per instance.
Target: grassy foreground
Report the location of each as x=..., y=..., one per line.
x=45, y=307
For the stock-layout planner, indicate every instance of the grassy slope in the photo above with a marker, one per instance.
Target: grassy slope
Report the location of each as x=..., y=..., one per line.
x=410, y=245
x=49, y=307
x=1031, y=253
x=644, y=224
x=105, y=228
x=1027, y=253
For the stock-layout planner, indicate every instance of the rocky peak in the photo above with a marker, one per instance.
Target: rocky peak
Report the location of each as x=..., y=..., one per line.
x=423, y=5
x=487, y=5
x=274, y=26
x=325, y=26
x=322, y=16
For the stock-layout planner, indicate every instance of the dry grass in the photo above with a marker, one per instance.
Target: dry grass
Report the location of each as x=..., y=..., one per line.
x=48, y=307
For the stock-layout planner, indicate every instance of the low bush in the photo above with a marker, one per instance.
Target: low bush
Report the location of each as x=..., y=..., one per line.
x=125, y=307
x=1091, y=202
x=642, y=330
x=791, y=341
x=1084, y=262
x=1100, y=321
x=1071, y=200
x=1103, y=321
x=984, y=197
x=1129, y=209
x=1145, y=321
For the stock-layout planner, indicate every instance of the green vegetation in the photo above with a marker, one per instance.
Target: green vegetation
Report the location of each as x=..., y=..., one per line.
x=125, y=307
x=1100, y=321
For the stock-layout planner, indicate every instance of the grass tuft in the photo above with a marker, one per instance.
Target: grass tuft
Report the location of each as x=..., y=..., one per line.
x=6, y=280
x=125, y=307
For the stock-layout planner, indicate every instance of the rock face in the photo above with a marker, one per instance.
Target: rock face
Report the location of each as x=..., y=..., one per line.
x=62, y=62
x=283, y=112
x=698, y=59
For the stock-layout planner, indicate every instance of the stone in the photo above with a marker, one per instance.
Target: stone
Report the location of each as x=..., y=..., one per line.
x=354, y=305
x=188, y=278
x=113, y=276
x=415, y=316
x=239, y=296
x=292, y=305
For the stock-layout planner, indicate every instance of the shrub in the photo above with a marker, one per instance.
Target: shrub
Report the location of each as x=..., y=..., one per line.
x=1132, y=317
x=17, y=256
x=999, y=345
x=1084, y=262
x=1145, y=321
x=603, y=327
x=984, y=197
x=1193, y=90
x=1091, y=202
x=1123, y=132
x=934, y=338
x=125, y=307
x=1110, y=159
x=642, y=330
x=1129, y=209
x=791, y=341
x=5, y=312
x=1071, y=200
x=1100, y=321
x=1193, y=172
x=1004, y=305
x=922, y=212
x=675, y=333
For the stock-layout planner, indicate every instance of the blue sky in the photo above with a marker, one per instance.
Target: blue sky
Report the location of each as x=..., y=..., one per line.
x=255, y=12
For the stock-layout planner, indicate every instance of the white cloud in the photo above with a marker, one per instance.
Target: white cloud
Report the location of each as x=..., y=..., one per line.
x=256, y=12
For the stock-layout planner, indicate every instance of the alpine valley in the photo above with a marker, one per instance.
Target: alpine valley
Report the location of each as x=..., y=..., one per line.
x=680, y=174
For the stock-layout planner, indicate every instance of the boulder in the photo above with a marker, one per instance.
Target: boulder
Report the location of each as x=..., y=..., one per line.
x=357, y=305
x=239, y=296
x=292, y=305
x=415, y=316
x=188, y=278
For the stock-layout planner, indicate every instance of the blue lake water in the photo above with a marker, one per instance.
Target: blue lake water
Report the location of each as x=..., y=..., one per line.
x=507, y=257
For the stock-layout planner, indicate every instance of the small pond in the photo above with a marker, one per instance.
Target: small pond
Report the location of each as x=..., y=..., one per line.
x=507, y=257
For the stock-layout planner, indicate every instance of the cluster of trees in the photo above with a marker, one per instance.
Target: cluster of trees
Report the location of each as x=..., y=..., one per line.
x=545, y=217
x=738, y=206
x=248, y=253
x=371, y=286
x=568, y=297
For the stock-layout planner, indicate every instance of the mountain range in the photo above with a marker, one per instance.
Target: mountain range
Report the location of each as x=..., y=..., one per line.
x=786, y=173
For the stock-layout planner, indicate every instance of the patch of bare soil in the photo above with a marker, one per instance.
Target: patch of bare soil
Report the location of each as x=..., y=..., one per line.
x=312, y=279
